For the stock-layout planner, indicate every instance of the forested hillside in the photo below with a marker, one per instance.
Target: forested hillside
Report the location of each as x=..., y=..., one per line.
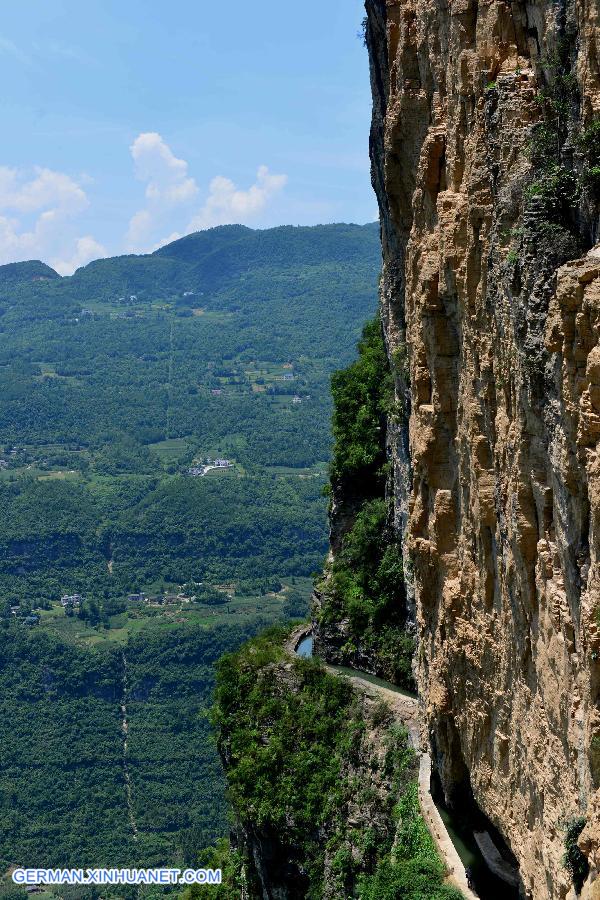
x=128, y=562
x=118, y=380
x=62, y=794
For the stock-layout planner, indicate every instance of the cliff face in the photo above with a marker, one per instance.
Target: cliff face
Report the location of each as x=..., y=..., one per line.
x=483, y=141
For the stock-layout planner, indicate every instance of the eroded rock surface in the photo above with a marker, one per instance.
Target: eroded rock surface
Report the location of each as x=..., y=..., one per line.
x=497, y=474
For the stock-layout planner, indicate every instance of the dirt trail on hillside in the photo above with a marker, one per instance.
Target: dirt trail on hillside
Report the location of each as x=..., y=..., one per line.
x=125, y=729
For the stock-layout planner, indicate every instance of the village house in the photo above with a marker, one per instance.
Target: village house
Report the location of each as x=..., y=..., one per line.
x=197, y=471
x=70, y=600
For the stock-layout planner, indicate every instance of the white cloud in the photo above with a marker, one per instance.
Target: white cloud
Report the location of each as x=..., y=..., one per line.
x=36, y=215
x=39, y=209
x=46, y=189
x=168, y=185
x=170, y=188
x=86, y=249
x=166, y=175
x=140, y=229
x=226, y=204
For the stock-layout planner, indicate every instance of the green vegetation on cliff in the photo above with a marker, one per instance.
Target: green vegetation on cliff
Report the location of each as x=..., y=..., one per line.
x=574, y=860
x=413, y=869
x=361, y=398
x=364, y=585
x=282, y=783
x=564, y=152
x=322, y=784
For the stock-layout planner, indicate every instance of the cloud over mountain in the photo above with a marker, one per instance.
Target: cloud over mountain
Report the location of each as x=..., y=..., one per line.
x=226, y=204
x=38, y=210
x=41, y=209
x=169, y=187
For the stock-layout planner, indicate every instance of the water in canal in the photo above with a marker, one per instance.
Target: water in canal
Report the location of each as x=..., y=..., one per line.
x=373, y=679
x=305, y=647
x=460, y=828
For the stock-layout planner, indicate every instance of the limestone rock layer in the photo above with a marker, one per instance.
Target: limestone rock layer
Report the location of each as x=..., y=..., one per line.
x=497, y=469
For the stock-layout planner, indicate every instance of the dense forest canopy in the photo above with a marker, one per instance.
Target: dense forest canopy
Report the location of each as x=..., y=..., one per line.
x=62, y=791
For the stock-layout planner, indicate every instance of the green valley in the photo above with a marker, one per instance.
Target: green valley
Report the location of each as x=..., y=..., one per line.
x=120, y=381
x=164, y=448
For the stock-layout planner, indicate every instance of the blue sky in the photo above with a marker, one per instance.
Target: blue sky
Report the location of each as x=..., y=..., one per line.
x=128, y=123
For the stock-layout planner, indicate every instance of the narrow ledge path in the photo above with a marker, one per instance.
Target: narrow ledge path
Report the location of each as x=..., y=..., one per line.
x=125, y=729
x=406, y=709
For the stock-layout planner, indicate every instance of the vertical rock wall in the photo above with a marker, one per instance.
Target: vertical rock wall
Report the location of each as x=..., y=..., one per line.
x=497, y=472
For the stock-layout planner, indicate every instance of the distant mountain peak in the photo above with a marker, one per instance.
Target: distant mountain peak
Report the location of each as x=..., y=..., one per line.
x=23, y=272
x=201, y=243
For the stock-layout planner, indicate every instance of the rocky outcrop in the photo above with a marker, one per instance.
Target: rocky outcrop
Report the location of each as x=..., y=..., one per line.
x=317, y=766
x=494, y=303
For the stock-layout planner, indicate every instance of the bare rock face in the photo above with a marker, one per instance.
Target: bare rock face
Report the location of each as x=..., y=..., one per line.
x=497, y=472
